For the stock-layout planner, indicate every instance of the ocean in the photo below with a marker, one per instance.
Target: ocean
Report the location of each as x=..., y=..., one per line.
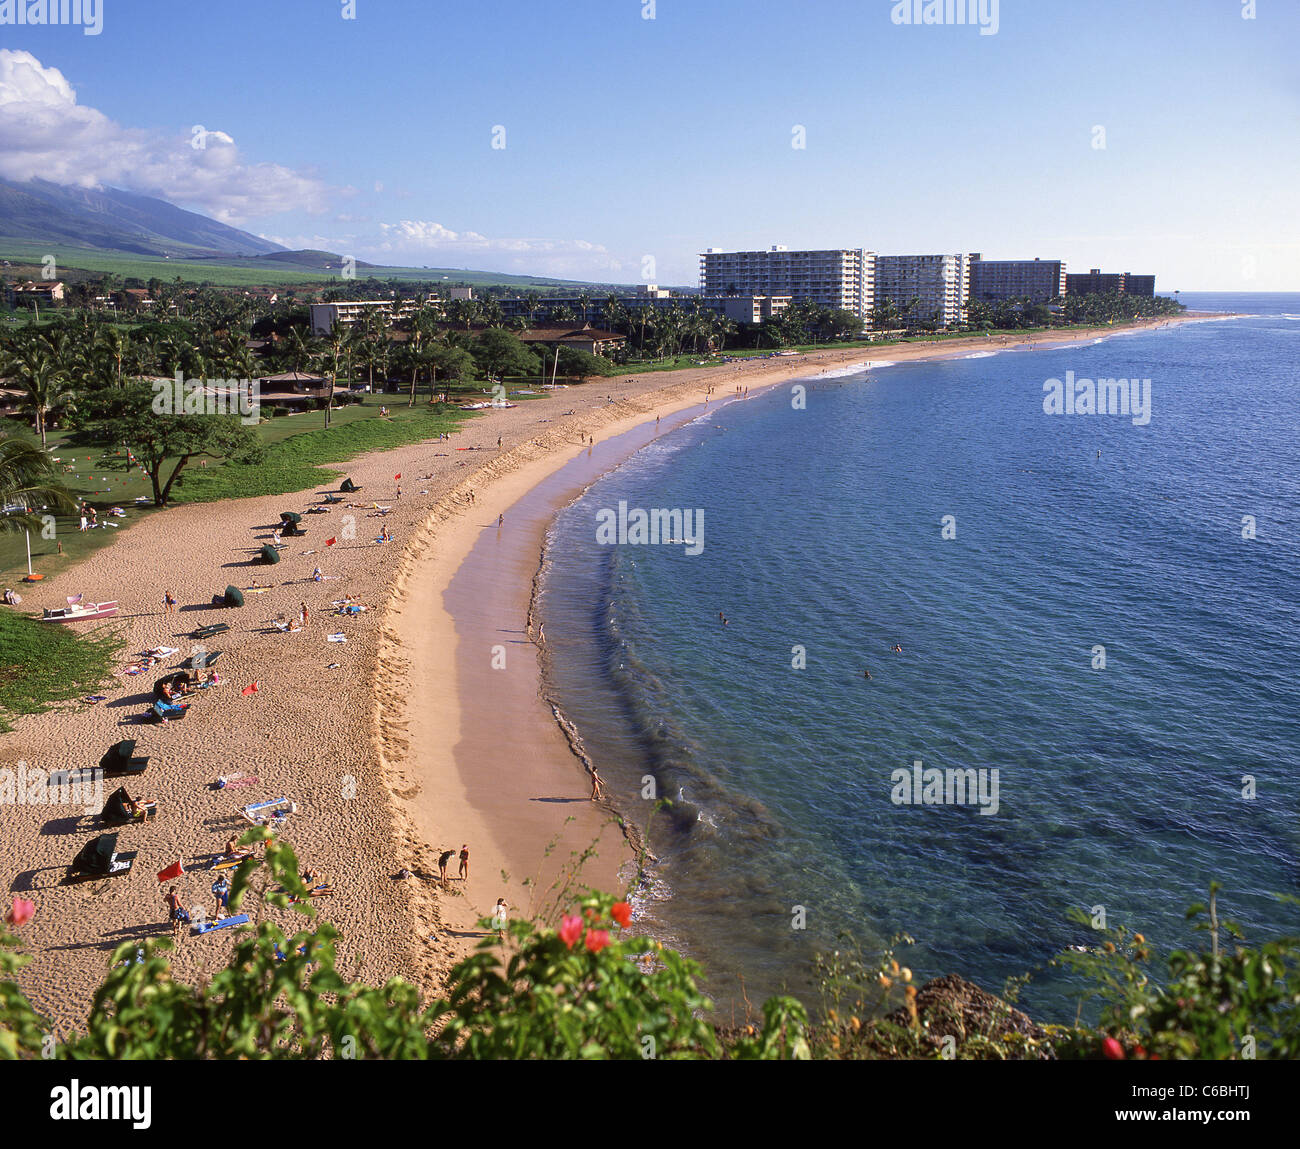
x=1101, y=609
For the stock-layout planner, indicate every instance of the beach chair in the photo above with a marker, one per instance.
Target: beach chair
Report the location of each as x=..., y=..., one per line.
x=99, y=858
x=120, y=759
x=202, y=661
x=167, y=712
x=268, y=554
x=117, y=813
x=234, y=596
x=213, y=628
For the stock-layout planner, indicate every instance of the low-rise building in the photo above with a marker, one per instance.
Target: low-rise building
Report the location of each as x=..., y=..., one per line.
x=589, y=339
x=1095, y=281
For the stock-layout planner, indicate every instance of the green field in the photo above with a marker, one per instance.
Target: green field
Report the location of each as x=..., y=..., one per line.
x=44, y=663
x=235, y=271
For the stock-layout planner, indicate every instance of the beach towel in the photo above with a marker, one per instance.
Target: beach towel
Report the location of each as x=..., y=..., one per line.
x=221, y=923
x=340, y=637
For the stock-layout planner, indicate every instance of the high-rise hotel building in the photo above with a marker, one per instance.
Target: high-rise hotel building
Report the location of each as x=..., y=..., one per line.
x=940, y=284
x=1038, y=280
x=837, y=277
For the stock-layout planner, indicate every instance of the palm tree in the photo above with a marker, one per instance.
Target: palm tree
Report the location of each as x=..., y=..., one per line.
x=27, y=476
x=44, y=382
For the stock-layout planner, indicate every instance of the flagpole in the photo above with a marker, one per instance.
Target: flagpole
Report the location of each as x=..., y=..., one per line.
x=28, y=535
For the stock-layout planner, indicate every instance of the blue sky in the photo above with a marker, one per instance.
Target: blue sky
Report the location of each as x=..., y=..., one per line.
x=628, y=137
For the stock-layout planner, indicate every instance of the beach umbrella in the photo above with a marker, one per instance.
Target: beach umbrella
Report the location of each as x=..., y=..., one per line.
x=349, y=486
x=234, y=596
x=290, y=517
x=269, y=554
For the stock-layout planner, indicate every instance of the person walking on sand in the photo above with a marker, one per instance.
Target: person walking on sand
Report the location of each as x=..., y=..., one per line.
x=221, y=891
x=501, y=518
x=176, y=913
x=498, y=442
x=443, y=858
x=464, y=862
x=169, y=602
x=500, y=915
x=302, y=612
x=597, y=785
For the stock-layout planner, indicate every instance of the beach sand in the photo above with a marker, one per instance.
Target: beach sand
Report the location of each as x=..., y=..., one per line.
x=419, y=741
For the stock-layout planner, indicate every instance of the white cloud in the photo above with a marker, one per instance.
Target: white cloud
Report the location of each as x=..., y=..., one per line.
x=45, y=134
x=427, y=242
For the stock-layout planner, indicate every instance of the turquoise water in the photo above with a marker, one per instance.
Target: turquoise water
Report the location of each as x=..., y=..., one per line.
x=1118, y=786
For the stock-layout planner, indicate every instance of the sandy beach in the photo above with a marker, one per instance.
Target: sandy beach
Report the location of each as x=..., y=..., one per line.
x=430, y=732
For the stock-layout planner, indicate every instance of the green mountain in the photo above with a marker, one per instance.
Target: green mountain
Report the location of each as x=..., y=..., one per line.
x=114, y=220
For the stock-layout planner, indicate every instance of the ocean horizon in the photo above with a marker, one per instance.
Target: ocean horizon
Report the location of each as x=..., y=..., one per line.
x=1097, y=620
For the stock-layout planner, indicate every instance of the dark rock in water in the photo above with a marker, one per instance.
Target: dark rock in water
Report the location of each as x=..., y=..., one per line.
x=953, y=1007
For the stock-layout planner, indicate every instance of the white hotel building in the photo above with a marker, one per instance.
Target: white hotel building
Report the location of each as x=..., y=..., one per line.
x=941, y=283
x=836, y=277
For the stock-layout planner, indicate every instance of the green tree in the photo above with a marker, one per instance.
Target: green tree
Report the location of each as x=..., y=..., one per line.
x=29, y=476
x=155, y=437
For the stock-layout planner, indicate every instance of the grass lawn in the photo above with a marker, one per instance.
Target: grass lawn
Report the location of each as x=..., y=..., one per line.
x=297, y=445
x=44, y=662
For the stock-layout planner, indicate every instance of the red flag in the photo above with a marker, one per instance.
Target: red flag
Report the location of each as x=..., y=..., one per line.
x=250, y=689
x=330, y=542
x=175, y=870
x=398, y=475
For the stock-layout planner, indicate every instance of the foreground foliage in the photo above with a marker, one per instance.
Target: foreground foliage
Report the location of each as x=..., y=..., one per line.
x=592, y=990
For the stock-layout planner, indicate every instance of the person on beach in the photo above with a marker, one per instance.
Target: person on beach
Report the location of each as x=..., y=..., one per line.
x=83, y=522
x=501, y=518
x=176, y=913
x=233, y=850
x=498, y=442
x=597, y=785
x=464, y=862
x=443, y=858
x=500, y=915
x=221, y=891
x=169, y=602
x=317, y=575
x=302, y=612
x=541, y=633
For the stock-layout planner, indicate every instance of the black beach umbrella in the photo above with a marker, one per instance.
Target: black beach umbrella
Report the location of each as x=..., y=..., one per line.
x=269, y=554
x=290, y=517
x=234, y=596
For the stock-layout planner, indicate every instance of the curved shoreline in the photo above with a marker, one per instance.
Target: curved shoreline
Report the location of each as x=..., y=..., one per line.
x=345, y=743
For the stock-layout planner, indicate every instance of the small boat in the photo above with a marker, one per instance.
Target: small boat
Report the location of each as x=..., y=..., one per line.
x=78, y=611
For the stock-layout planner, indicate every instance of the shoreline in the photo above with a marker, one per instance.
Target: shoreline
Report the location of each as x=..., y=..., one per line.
x=380, y=779
x=458, y=762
